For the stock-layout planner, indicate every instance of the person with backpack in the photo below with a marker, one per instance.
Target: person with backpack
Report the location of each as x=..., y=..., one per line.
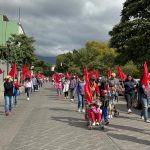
x=72, y=86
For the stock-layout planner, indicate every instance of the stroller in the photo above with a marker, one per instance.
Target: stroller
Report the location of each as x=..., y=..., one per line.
x=88, y=118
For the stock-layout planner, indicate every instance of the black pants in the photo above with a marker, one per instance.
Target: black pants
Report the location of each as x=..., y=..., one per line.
x=66, y=94
x=129, y=97
x=35, y=87
x=71, y=94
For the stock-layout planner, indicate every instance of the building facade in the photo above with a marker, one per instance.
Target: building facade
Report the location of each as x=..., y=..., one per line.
x=7, y=28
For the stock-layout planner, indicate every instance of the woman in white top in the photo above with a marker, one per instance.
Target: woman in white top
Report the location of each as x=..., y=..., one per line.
x=66, y=87
x=28, y=86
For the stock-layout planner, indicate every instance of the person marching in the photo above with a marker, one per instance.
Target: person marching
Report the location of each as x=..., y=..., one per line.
x=129, y=86
x=66, y=87
x=8, y=95
x=28, y=86
x=80, y=93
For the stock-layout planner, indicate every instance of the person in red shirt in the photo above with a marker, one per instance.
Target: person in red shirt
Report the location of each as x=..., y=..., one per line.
x=91, y=94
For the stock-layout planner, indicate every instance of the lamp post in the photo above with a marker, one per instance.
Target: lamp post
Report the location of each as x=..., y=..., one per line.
x=8, y=56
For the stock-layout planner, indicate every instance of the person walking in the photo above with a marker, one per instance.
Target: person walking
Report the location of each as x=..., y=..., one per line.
x=66, y=87
x=34, y=82
x=8, y=95
x=72, y=86
x=80, y=93
x=28, y=86
x=143, y=94
x=129, y=86
x=16, y=93
x=59, y=88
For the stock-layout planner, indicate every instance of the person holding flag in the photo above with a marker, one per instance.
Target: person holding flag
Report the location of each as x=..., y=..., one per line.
x=143, y=93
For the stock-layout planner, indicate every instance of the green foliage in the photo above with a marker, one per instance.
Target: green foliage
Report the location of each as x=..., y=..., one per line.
x=41, y=66
x=131, y=36
x=95, y=55
x=131, y=68
x=20, y=50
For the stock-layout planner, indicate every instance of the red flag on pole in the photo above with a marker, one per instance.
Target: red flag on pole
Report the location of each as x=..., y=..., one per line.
x=88, y=93
x=145, y=78
x=109, y=74
x=86, y=74
x=67, y=75
x=13, y=72
x=1, y=71
x=25, y=70
x=121, y=73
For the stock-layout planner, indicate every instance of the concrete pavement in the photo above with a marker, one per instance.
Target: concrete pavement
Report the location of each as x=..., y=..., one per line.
x=49, y=122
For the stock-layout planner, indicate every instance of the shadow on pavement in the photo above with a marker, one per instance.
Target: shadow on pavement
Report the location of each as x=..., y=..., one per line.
x=129, y=138
x=61, y=109
x=2, y=113
x=76, y=122
x=130, y=128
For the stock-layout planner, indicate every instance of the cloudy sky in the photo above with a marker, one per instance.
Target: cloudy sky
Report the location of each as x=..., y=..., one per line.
x=62, y=25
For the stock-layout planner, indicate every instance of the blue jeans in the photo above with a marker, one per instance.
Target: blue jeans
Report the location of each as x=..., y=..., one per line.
x=80, y=101
x=9, y=103
x=105, y=113
x=145, y=103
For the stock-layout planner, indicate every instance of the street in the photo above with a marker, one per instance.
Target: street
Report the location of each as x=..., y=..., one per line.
x=49, y=122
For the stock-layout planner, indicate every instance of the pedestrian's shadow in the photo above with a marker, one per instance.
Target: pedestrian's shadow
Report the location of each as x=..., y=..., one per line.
x=2, y=113
x=76, y=122
x=79, y=123
x=1, y=105
x=129, y=138
x=61, y=109
x=129, y=128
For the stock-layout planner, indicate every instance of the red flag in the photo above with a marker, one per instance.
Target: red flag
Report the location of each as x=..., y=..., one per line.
x=28, y=74
x=1, y=71
x=88, y=93
x=96, y=74
x=86, y=74
x=121, y=73
x=25, y=70
x=13, y=72
x=145, y=77
x=67, y=75
x=109, y=74
x=91, y=74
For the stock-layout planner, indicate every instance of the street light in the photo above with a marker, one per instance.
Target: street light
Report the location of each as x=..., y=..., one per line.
x=8, y=56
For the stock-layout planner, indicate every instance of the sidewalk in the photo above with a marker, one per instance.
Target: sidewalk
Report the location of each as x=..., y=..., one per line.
x=49, y=122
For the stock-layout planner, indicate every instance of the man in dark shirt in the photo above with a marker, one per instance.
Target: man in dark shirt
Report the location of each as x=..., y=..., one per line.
x=8, y=95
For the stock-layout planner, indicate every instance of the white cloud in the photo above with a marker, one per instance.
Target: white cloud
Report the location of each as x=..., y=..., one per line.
x=62, y=25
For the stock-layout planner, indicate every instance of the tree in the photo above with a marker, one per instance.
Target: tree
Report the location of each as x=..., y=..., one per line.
x=131, y=36
x=41, y=66
x=20, y=50
x=95, y=55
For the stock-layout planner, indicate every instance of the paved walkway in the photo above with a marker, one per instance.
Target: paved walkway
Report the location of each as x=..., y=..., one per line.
x=48, y=122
